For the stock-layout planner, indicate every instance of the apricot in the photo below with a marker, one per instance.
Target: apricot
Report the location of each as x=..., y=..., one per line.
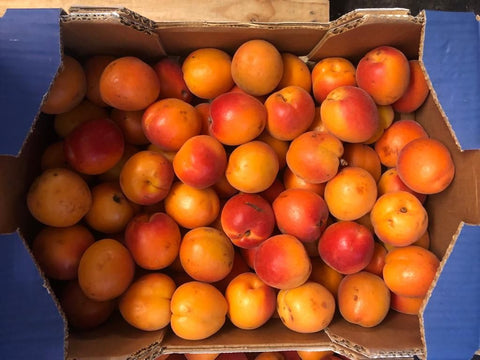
x=146, y=303
x=295, y=72
x=206, y=254
x=68, y=88
x=128, y=83
x=376, y=264
x=106, y=270
x=386, y=115
x=201, y=356
x=301, y=213
x=307, y=308
x=58, y=250
x=363, y=299
x=65, y=122
x=416, y=92
x=200, y=162
x=53, y=156
x=82, y=312
x=207, y=72
x=173, y=85
x=191, y=207
x=198, y=310
x=168, y=123
x=426, y=166
x=257, y=67
x=130, y=122
x=384, y=73
x=406, y=305
x=111, y=210
x=351, y=193
x=113, y=174
x=282, y=262
x=325, y=275
x=314, y=354
x=146, y=177
x=280, y=147
x=390, y=181
x=395, y=137
x=399, y=218
x=330, y=73
x=153, y=239
x=252, y=167
x=251, y=303
x=292, y=181
x=291, y=111
x=93, y=67
x=314, y=156
x=236, y=118
x=350, y=114
x=59, y=197
x=363, y=156
x=317, y=124
x=410, y=270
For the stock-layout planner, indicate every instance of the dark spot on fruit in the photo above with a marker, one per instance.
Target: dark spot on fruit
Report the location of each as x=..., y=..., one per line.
x=403, y=210
x=355, y=297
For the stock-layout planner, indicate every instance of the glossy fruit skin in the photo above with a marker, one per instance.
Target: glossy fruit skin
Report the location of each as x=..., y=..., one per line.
x=301, y=213
x=417, y=90
x=94, y=146
x=346, y=246
x=247, y=219
x=363, y=299
x=128, y=83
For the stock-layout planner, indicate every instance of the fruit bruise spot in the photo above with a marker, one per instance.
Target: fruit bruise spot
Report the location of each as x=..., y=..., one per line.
x=255, y=207
x=246, y=233
x=117, y=198
x=282, y=97
x=403, y=210
x=355, y=297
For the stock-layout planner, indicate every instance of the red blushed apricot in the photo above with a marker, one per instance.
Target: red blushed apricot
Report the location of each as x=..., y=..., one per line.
x=301, y=213
x=350, y=114
x=128, y=83
x=201, y=161
x=395, y=137
x=236, y=118
x=168, y=123
x=315, y=156
x=68, y=89
x=170, y=73
x=282, y=262
x=330, y=73
x=417, y=90
x=257, y=67
x=426, y=166
x=384, y=73
x=351, y=193
x=410, y=270
x=363, y=156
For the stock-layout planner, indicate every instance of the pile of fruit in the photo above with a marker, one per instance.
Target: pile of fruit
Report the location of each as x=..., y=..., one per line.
x=238, y=186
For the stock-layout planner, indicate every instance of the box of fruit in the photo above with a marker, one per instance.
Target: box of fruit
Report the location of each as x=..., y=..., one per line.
x=234, y=187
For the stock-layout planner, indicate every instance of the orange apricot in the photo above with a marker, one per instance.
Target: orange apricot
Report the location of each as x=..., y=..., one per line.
x=93, y=67
x=406, y=305
x=363, y=299
x=417, y=90
x=257, y=67
x=363, y=156
x=399, y=218
x=351, y=193
x=410, y=270
x=325, y=275
x=426, y=166
x=130, y=122
x=207, y=72
x=68, y=88
x=295, y=72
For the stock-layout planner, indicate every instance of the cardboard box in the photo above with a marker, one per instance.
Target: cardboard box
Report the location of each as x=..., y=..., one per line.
x=31, y=45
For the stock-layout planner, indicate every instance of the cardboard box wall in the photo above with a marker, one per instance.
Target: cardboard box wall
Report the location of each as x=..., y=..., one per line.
x=31, y=45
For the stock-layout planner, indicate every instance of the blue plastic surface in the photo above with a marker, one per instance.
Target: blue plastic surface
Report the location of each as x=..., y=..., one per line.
x=25, y=76
x=451, y=56
x=30, y=324
x=452, y=59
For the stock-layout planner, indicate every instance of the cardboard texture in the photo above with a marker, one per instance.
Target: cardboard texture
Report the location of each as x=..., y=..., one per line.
x=29, y=56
